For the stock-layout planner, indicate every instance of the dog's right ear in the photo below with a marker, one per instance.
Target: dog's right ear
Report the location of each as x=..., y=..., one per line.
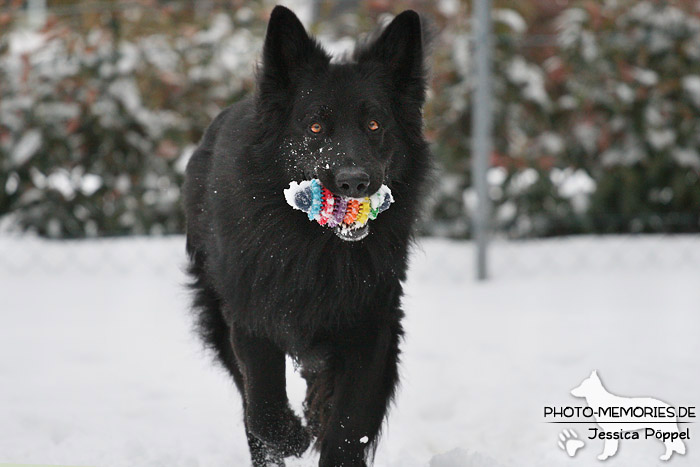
x=288, y=49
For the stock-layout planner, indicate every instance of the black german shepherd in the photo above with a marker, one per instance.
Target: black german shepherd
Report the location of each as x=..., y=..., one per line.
x=268, y=282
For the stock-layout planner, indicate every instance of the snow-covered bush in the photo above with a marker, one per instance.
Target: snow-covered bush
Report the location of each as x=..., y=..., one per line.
x=603, y=135
x=96, y=127
x=599, y=134
x=526, y=199
x=634, y=80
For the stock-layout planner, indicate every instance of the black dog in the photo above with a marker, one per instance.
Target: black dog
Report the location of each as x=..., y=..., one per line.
x=268, y=282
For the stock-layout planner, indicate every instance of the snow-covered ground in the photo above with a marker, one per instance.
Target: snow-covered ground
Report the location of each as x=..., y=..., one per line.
x=99, y=366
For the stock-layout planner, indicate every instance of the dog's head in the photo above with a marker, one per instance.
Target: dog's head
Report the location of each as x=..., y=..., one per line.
x=349, y=123
x=588, y=386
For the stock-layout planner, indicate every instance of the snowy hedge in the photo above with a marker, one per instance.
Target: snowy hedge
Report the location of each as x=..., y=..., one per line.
x=602, y=136
x=96, y=128
x=97, y=123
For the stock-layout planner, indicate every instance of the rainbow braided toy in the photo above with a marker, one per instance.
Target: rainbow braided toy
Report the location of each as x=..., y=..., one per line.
x=343, y=213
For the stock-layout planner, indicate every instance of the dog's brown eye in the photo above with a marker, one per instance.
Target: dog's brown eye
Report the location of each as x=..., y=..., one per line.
x=373, y=125
x=315, y=128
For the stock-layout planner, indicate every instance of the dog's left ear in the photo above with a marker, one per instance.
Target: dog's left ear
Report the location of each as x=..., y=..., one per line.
x=401, y=47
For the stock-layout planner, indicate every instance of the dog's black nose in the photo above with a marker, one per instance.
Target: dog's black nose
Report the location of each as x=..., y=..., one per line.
x=352, y=182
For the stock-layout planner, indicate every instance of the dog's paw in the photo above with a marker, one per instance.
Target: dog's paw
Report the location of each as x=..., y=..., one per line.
x=569, y=442
x=282, y=431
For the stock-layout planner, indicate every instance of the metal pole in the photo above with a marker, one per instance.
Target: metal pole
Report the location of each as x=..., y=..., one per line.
x=36, y=13
x=482, y=120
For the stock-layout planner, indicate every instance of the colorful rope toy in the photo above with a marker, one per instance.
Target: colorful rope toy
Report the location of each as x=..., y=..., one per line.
x=349, y=216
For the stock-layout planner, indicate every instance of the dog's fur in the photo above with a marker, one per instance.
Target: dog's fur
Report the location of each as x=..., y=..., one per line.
x=597, y=396
x=268, y=282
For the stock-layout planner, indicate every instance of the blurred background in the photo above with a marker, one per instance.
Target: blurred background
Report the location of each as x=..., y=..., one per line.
x=596, y=107
x=593, y=227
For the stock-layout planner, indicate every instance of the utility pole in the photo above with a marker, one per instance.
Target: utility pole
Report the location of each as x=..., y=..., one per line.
x=36, y=13
x=482, y=123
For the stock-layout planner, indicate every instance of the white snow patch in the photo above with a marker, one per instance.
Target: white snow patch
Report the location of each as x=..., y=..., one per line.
x=181, y=163
x=645, y=76
x=60, y=181
x=496, y=175
x=661, y=138
x=551, y=143
x=691, y=85
x=101, y=366
x=461, y=55
x=530, y=77
x=686, y=157
x=462, y=458
x=510, y=18
x=448, y=7
x=575, y=185
x=26, y=147
x=572, y=182
x=90, y=183
x=524, y=179
x=25, y=41
x=587, y=135
x=294, y=188
x=624, y=93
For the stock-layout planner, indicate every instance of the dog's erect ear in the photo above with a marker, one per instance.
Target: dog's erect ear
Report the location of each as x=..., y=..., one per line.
x=288, y=47
x=401, y=47
x=594, y=375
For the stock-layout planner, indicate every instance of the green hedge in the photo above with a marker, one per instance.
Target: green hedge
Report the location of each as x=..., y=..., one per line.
x=97, y=119
x=601, y=135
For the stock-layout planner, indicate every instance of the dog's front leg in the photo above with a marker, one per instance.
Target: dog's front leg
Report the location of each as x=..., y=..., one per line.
x=365, y=377
x=609, y=449
x=268, y=416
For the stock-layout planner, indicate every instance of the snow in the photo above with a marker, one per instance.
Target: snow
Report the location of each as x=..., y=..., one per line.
x=90, y=183
x=552, y=143
x=625, y=93
x=461, y=55
x=530, y=77
x=631, y=152
x=586, y=134
x=575, y=185
x=496, y=175
x=448, y=7
x=25, y=41
x=100, y=366
x=187, y=152
x=646, y=77
x=295, y=188
x=220, y=28
x=687, y=157
x=511, y=18
x=60, y=181
x=12, y=183
x=26, y=147
x=661, y=138
x=691, y=85
x=523, y=180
